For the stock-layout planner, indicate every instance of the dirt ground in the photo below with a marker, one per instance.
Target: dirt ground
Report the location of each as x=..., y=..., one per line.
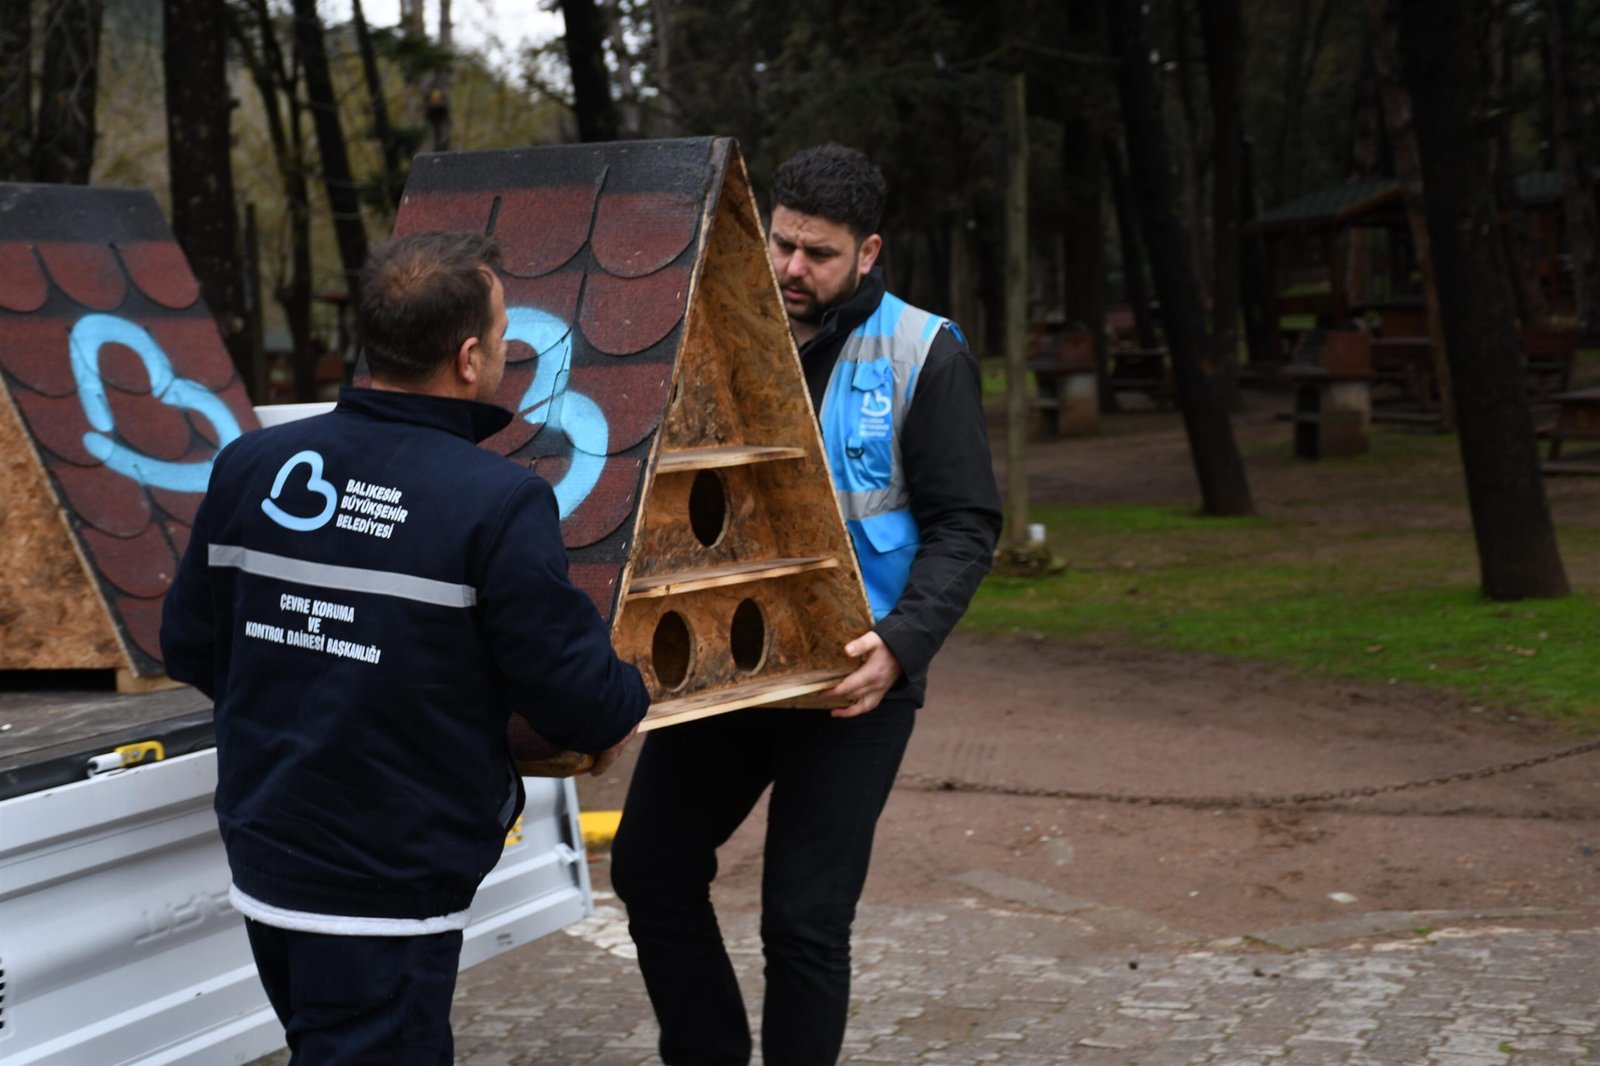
x=1108, y=721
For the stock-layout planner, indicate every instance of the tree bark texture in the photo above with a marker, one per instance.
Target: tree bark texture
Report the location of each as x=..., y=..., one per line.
x=16, y=90
x=1403, y=139
x=1135, y=286
x=394, y=178
x=349, y=231
x=276, y=80
x=1531, y=309
x=1222, y=28
x=63, y=150
x=1254, y=282
x=1016, y=506
x=1443, y=69
x=1190, y=155
x=1575, y=166
x=1084, y=294
x=1224, y=486
x=591, y=87
x=204, y=217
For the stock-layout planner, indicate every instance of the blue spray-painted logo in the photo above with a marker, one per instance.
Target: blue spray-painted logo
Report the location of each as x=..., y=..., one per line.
x=550, y=401
x=314, y=481
x=89, y=335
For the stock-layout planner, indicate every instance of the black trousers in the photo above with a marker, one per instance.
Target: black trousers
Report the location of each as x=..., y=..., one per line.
x=693, y=786
x=360, y=1000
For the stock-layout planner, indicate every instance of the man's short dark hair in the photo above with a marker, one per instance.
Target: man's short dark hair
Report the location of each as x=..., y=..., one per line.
x=422, y=295
x=833, y=182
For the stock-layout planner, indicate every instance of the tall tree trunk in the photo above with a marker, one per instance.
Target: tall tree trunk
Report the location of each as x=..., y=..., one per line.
x=1222, y=27
x=1016, y=124
x=1300, y=62
x=591, y=88
x=1531, y=310
x=394, y=178
x=666, y=103
x=16, y=90
x=1084, y=294
x=1224, y=486
x=1403, y=139
x=276, y=80
x=63, y=149
x=1443, y=70
x=1190, y=156
x=1575, y=166
x=1260, y=334
x=204, y=218
x=1136, y=291
x=348, y=229
x=1366, y=145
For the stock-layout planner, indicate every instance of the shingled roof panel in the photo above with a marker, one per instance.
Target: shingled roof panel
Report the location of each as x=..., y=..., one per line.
x=115, y=505
x=425, y=211
x=122, y=383
x=161, y=272
x=22, y=283
x=88, y=273
x=56, y=422
x=622, y=316
x=605, y=235
x=32, y=350
x=639, y=233
x=142, y=565
x=541, y=229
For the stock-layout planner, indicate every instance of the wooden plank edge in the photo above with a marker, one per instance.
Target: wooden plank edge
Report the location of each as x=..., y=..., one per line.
x=663, y=714
x=721, y=577
x=708, y=458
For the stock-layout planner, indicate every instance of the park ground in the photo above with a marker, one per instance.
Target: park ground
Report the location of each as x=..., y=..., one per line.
x=1020, y=713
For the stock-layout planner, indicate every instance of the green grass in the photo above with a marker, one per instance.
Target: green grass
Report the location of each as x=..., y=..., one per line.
x=1377, y=604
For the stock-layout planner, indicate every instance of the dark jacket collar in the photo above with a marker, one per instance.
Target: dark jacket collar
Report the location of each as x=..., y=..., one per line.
x=464, y=418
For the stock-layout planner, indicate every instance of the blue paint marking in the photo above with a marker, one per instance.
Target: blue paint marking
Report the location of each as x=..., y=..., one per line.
x=572, y=413
x=89, y=335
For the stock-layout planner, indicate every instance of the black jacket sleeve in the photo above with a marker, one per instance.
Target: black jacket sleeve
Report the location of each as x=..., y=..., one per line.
x=548, y=641
x=188, y=634
x=944, y=451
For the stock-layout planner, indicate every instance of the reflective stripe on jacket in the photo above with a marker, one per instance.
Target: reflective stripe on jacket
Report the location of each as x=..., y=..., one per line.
x=863, y=411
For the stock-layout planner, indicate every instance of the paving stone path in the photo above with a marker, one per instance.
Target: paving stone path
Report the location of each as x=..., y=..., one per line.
x=972, y=983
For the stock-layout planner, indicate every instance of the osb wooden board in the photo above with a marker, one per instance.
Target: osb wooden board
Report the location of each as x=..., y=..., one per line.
x=125, y=394
x=601, y=243
x=50, y=617
x=739, y=383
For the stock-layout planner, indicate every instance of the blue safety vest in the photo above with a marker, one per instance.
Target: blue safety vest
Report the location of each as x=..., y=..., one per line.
x=862, y=413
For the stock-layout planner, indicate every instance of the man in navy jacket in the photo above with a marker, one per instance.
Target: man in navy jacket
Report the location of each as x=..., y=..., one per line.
x=368, y=596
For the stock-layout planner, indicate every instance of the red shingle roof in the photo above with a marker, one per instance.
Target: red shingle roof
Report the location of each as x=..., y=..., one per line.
x=122, y=382
x=600, y=244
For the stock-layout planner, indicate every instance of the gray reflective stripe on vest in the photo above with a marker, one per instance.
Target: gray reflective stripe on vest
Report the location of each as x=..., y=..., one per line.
x=344, y=578
x=906, y=349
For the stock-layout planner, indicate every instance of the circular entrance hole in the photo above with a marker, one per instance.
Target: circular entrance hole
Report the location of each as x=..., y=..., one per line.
x=747, y=636
x=671, y=650
x=708, y=507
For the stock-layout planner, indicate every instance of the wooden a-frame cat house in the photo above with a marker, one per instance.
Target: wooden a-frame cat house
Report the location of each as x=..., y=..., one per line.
x=656, y=386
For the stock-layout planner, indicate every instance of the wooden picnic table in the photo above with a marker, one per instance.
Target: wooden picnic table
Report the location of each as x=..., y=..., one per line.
x=1577, y=418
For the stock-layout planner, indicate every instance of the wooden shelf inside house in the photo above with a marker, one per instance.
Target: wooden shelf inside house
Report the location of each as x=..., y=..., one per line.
x=723, y=455
x=752, y=693
x=730, y=574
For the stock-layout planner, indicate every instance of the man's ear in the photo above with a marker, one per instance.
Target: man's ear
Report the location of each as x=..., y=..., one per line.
x=870, y=247
x=469, y=361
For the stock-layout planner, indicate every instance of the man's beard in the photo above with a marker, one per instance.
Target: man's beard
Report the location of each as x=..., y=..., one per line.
x=815, y=310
